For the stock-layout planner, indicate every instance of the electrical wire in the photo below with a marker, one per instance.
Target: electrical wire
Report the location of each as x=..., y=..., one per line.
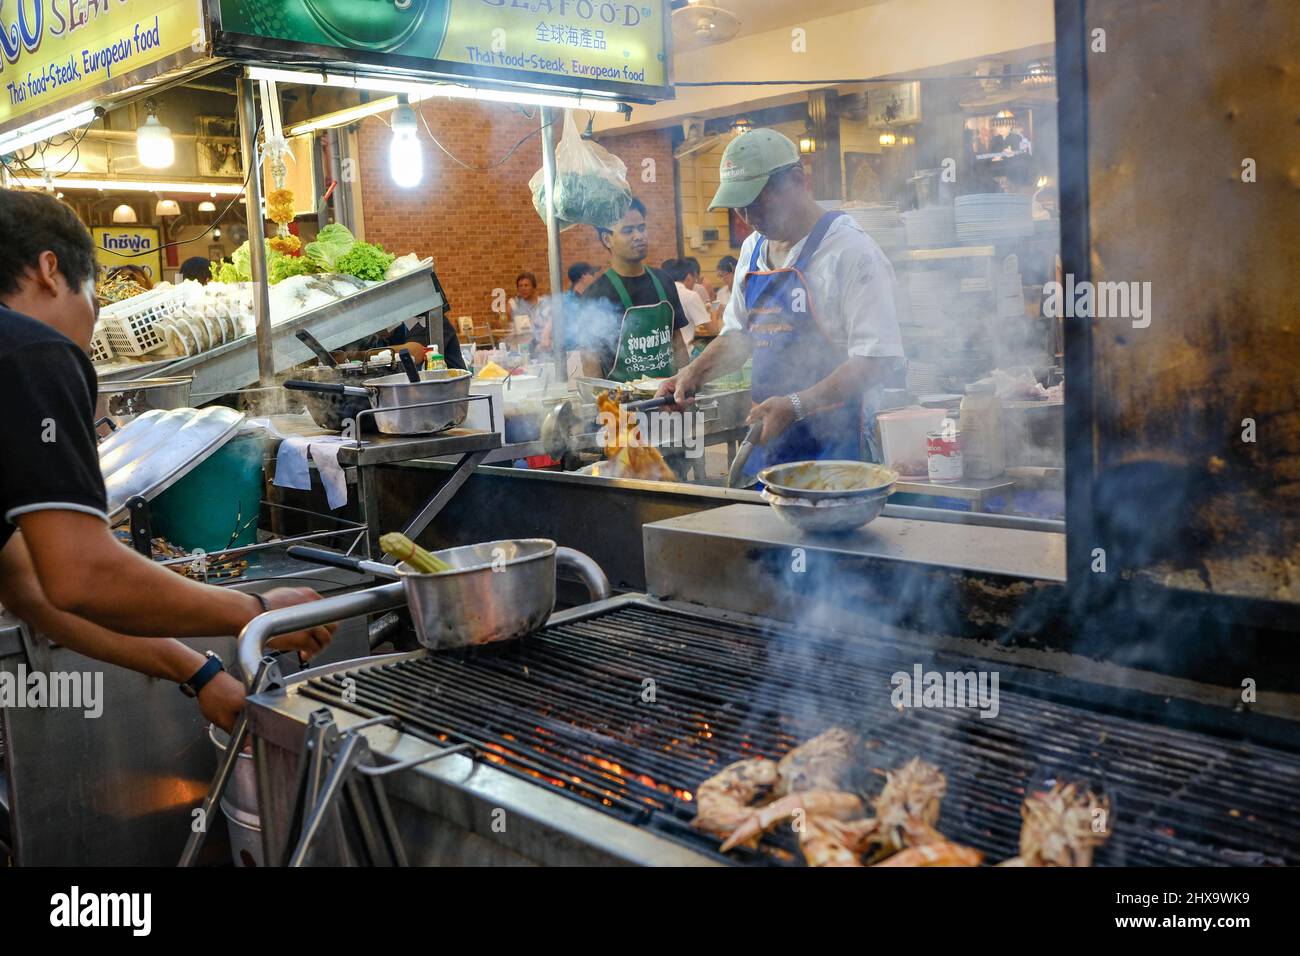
x=871, y=79
x=481, y=169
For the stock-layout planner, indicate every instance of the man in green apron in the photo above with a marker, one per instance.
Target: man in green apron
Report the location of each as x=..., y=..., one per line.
x=639, y=334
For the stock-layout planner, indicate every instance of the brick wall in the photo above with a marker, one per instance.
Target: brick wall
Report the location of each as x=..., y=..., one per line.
x=480, y=227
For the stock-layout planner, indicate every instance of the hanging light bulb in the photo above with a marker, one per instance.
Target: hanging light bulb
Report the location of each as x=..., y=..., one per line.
x=216, y=233
x=406, y=158
x=167, y=207
x=154, y=146
x=207, y=206
x=888, y=139
x=1004, y=120
x=125, y=214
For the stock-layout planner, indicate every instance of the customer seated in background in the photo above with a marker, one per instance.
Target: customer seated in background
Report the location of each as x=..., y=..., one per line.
x=697, y=284
x=697, y=314
x=524, y=311
x=726, y=278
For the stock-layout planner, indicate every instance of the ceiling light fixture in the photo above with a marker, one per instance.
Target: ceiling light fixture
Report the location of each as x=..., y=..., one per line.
x=125, y=215
x=154, y=146
x=137, y=185
x=405, y=157
x=207, y=206
x=167, y=207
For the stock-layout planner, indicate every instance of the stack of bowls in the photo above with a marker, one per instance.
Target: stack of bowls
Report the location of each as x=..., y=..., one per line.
x=827, y=496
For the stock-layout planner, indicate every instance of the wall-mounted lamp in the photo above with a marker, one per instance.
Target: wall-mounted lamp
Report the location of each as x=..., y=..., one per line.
x=125, y=215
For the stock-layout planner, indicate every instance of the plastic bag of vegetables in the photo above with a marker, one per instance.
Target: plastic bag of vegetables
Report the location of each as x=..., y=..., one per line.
x=590, y=182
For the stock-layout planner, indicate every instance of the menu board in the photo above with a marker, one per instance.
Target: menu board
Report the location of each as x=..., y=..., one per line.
x=617, y=46
x=129, y=246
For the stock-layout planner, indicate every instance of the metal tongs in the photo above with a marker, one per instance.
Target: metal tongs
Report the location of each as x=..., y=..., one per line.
x=743, y=453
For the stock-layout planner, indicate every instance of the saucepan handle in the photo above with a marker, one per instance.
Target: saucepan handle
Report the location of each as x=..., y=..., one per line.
x=330, y=388
x=585, y=569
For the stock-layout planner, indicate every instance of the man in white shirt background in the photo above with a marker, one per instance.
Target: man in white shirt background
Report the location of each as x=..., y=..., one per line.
x=697, y=313
x=812, y=302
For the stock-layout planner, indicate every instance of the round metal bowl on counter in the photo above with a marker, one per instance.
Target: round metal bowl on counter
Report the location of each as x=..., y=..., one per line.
x=828, y=496
x=824, y=480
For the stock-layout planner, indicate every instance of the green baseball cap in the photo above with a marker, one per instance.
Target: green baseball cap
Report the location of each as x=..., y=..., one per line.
x=748, y=162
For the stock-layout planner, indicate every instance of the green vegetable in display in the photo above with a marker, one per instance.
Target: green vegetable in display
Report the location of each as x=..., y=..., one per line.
x=365, y=261
x=330, y=245
x=282, y=267
x=224, y=272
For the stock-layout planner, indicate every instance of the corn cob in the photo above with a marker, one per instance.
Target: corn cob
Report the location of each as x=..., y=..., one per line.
x=404, y=549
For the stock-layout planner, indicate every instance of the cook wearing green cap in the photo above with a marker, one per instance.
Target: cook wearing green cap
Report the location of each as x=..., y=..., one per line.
x=813, y=304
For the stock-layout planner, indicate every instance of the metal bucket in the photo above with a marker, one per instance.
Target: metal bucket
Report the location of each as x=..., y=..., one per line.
x=239, y=804
x=495, y=591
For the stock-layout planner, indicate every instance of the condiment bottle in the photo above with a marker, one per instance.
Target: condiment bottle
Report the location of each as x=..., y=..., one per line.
x=433, y=359
x=981, y=430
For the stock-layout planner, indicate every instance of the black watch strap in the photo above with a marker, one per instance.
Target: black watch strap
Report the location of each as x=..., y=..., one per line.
x=210, y=669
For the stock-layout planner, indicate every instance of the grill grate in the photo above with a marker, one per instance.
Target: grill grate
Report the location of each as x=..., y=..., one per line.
x=564, y=708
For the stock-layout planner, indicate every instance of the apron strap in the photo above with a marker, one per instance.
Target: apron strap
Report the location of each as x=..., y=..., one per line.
x=616, y=281
x=815, y=238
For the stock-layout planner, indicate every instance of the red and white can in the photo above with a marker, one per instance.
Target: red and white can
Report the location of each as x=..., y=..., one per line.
x=943, y=456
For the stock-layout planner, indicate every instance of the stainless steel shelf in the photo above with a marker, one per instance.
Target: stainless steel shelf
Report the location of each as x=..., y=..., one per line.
x=389, y=449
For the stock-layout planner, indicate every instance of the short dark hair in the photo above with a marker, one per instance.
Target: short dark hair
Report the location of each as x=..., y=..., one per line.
x=196, y=267
x=636, y=206
x=677, y=269
x=694, y=265
x=36, y=222
x=580, y=269
x=728, y=264
x=526, y=275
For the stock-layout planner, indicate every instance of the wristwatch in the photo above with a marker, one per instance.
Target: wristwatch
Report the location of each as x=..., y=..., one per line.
x=210, y=669
x=799, y=413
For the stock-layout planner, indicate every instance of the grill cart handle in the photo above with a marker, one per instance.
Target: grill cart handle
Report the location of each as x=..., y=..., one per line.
x=256, y=633
x=585, y=569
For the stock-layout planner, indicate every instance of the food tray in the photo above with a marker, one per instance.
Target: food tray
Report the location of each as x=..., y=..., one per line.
x=133, y=325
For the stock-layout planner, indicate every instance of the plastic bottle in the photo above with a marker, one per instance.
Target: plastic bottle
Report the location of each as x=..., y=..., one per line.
x=433, y=359
x=981, y=431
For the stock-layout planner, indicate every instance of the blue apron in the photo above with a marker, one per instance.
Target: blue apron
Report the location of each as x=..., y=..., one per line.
x=791, y=353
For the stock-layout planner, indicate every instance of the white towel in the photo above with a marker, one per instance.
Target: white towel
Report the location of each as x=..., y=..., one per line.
x=292, y=470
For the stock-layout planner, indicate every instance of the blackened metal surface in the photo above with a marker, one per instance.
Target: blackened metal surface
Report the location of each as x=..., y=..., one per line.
x=1187, y=120
x=628, y=710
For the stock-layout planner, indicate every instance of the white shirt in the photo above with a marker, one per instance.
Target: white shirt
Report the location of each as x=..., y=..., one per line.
x=850, y=282
x=696, y=313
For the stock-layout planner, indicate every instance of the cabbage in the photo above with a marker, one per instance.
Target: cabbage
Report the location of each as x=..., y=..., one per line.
x=331, y=244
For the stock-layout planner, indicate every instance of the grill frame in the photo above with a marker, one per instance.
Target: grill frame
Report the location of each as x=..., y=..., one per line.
x=557, y=827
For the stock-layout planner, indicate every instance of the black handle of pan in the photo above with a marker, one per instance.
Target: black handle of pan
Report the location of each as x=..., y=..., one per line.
x=649, y=404
x=313, y=343
x=329, y=388
x=345, y=561
x=408, y=364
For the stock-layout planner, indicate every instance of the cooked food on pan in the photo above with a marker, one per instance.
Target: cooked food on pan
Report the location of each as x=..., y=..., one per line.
x=629, y=455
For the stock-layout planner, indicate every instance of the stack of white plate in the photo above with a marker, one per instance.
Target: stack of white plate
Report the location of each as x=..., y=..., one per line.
x=931, y=228
x=881, y=222
x=1011, y=290
x=928, y=291
x=922, y=377
x=993, y=217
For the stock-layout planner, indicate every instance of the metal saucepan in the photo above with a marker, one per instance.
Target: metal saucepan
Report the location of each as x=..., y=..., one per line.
x=496, y=591
x=410, y=405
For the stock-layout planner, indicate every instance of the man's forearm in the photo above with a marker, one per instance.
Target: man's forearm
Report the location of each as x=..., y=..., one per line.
x=88, y=573
x=847, y=384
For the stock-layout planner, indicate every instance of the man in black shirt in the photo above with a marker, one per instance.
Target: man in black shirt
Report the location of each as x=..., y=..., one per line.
x=61, y=568
x=634, y=330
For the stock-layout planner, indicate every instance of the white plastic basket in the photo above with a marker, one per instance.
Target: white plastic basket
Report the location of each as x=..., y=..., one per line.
x=133, y=326
x=100, y=350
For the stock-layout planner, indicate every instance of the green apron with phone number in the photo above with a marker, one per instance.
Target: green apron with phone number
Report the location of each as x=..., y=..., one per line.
x=645, y=339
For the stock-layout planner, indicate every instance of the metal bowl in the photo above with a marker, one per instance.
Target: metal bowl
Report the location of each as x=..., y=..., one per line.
x=830, y=515
x=824, y=480
x=398, y=393
x=497, y=591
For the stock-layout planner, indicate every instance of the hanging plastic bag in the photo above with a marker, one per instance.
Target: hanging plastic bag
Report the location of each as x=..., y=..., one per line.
x=590, y=182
